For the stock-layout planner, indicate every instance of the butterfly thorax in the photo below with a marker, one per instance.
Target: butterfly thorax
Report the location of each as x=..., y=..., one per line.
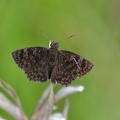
x=52, y=52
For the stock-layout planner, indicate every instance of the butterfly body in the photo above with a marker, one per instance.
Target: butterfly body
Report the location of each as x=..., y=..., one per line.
x=41, y=64
x=52, y=57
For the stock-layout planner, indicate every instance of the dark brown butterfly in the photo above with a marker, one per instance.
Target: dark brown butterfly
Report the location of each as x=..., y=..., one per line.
x=41, y=64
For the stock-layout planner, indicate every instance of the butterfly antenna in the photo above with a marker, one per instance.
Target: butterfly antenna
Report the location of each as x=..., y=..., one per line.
x=46, y=37
x=44, y=34
x=67, y=38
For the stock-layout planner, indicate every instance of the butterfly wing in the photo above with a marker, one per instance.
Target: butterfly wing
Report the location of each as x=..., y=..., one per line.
x=68, y=67
x=33, y=61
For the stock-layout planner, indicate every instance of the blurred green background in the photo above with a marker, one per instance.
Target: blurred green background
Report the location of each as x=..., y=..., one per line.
x=96, y=25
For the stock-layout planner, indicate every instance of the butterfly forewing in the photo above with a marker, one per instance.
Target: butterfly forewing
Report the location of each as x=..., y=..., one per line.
x=83, y=65
x=33, y=61
x=68, y=67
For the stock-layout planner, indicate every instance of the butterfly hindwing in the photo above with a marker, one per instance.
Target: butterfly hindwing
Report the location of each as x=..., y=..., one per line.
x=33, y=61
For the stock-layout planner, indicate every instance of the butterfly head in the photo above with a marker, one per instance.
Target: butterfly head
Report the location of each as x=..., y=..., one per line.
x=54, y=45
